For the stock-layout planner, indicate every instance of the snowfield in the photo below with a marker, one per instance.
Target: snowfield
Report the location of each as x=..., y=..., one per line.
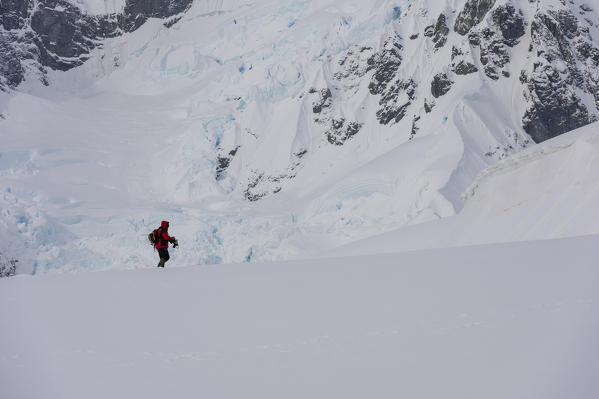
x=517, y=320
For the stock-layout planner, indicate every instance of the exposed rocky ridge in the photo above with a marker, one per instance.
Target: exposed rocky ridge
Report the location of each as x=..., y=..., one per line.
x=565, y=61
x=504, y=30
x=262, y=185
x=510, y=23
x=56, y=34
x=396, y=94
x=438, y=32
x=461, y=62
x=441, y=85
x=473, y=13
x=566, y=64
x=492, y=30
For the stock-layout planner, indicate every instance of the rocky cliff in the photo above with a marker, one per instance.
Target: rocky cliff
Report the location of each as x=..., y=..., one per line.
x=35, y=35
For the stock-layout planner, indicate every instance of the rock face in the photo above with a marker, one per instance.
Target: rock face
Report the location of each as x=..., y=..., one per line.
x=510, y=23
x=396, y=94
x=35, y=35
x=566, y=63
x=473, y=13
x=13, y=13
x=376, y=81
x=461, y=62
x=438, y=32
x=64, y=36
x=341, y=131
x=440, y=85
x=138, y=11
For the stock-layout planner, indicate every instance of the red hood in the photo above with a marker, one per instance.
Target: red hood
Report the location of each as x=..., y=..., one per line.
x=164, y=224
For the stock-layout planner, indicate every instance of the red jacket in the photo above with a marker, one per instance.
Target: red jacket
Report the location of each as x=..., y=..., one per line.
x=163, y=237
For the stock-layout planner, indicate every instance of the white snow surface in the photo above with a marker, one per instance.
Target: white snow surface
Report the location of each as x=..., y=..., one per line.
x=517, y=320
x=100, y=7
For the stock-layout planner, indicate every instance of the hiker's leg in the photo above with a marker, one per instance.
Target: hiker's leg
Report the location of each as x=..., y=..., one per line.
x=163, y=254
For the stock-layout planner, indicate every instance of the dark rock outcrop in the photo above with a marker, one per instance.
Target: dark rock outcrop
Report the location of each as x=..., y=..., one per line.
x=341, y=131
x=138, y=11
x=438, y=32
x=473, y=13
x=460, y=62
x=223, y=161
x=428, y=106
x=464, y=68
x=13, y=13
x=555, y=108
x=65, y=36
x=395, y=101
x=504, y=30
x=385, y=64
x=494, y=55
x=440, y=85
x=415, y=127
x=396, y=95
x=510, y=22
x=354, y=65
x=56, y=34
x=325, y=101
x=566, y=64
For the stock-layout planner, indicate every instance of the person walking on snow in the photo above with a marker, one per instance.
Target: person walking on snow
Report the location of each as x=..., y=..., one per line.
x=162, y=243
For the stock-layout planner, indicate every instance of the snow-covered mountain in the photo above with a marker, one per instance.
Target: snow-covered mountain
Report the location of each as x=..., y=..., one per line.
x=268, y=129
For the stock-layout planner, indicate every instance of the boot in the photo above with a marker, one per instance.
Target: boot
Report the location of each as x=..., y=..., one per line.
x=161, y=263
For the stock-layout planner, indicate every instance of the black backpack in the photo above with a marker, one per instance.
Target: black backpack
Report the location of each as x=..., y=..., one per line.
x=154, y=236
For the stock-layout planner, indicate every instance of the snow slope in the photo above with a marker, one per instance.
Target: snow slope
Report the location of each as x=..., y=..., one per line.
x=547, y=191
x=518, y=320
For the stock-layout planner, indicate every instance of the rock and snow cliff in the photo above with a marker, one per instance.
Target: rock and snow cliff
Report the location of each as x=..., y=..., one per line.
x=264, y=129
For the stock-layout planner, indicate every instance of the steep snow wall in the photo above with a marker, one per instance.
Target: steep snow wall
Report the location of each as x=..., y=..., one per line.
x=548, y=191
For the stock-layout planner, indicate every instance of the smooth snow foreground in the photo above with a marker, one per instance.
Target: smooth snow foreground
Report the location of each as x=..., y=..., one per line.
x=518, y=320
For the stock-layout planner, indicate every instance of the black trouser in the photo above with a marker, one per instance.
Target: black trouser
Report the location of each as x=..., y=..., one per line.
x=163, y=253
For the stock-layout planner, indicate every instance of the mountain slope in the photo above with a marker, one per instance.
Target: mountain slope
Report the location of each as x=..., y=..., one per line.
x=263, y=130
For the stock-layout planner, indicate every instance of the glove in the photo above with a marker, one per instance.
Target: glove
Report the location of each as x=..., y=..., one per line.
x=175, y=243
